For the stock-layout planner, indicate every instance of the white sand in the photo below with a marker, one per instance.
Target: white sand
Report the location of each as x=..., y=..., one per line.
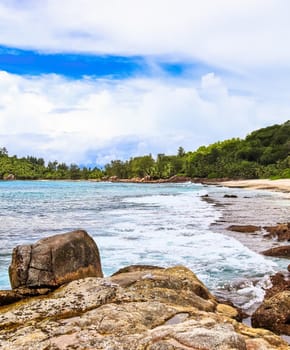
x=282, y=185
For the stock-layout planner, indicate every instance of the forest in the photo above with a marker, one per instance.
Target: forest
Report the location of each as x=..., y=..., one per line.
x=264, y=153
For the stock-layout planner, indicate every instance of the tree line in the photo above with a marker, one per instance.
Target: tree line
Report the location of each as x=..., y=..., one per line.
x=265, y=153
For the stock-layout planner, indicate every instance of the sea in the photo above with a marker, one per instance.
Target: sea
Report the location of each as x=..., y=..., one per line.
x=156, y=224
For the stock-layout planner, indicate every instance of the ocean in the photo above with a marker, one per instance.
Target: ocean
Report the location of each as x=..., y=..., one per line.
x=155, y=224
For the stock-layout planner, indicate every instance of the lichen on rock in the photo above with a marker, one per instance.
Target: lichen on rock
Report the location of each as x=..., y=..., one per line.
x=140, y=309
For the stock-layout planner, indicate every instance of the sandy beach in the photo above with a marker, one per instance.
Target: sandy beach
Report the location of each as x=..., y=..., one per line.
x=282, y=185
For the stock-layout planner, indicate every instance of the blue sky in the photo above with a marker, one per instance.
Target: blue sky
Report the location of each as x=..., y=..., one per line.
x=91, y=80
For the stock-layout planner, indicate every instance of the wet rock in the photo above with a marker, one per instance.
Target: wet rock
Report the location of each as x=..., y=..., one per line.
x=244, y=228
x=274, y=313
x=230, y=196
x=138, y=308
x=280, y=282
x=279, y=252
x=55, y=260
x=280, y=231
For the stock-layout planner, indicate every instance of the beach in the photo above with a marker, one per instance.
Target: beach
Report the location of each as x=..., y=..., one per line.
x=282, y=185
x=258, y=202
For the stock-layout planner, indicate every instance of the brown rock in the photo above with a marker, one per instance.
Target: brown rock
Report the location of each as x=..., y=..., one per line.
x=11, y=296
x=113, y=178
x=279, y=252
x=179, y=179
x=227, y=310
x=244, y=228
x=146, y=178
x=135, y=268
x=274, y=314
x=280, y=283
x=280, y=231
x=55, y=260
x=9, y=177
x=157, y=309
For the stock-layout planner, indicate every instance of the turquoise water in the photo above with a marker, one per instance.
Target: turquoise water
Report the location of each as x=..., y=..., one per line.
x=157, y=224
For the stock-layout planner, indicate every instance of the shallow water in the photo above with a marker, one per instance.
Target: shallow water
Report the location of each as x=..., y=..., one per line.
x=156, y=224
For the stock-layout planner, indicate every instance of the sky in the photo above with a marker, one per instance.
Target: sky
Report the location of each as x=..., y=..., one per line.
x=90, y=81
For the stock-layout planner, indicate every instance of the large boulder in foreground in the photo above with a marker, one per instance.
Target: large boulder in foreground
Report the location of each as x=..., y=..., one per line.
x=142, y=308
x=55, y=260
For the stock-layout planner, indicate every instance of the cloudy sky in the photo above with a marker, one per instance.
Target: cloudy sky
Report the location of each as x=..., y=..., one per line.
x=88, y=81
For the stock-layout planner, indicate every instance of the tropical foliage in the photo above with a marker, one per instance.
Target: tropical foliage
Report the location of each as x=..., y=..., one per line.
x=262, y=154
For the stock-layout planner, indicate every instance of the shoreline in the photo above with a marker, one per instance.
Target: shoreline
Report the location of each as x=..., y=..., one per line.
x=280, y=185
x=260, y=203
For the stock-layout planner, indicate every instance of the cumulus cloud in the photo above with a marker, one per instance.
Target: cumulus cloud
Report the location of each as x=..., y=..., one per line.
x=95, y=120
x=238, y=34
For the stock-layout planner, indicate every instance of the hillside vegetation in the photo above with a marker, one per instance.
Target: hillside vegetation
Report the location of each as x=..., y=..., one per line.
x=265, y=153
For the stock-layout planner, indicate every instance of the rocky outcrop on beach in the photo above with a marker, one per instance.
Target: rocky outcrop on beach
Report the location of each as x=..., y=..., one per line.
x=279, y=252
x=281, y=231
x=150, y=179
x=9, y=177
x=274, y=312
x=244, y=228
x=144, y=308
x=55, y=260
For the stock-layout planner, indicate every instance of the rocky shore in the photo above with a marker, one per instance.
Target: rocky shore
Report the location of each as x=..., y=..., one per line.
x=281, y=185
x=261, y=222
x=138, y=307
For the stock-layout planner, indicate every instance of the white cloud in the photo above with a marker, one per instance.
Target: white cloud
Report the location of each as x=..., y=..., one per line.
x=80, y=121
x=236, y=34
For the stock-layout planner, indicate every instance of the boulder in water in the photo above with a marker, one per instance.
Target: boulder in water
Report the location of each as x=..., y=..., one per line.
x=55, y=260
x=279, y=252
x=274, y=313
x=280, y=231
x=244, y=228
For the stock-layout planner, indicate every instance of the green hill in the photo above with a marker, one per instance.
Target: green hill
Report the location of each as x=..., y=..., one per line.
x=262, y=154
x=265, y=153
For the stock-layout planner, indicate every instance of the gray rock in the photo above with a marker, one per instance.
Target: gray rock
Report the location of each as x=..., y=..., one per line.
x=55, y=260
